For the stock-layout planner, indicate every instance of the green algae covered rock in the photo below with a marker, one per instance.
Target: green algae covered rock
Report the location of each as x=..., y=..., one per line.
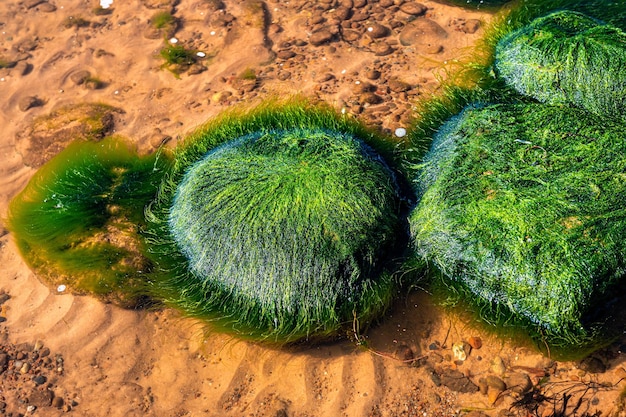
x=524, y=206
x=283, y=231
x=567, y=58
x=76, y=222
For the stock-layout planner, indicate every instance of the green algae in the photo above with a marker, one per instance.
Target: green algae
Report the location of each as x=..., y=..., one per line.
x=523, y=205
x=77, y=221
x=567, y=58
x=279, y=224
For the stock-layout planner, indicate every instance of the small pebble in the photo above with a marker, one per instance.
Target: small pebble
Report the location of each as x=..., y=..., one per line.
x=475, y=342
x=458, y=350
x=400, y=132
x=39, y=379
x=57, y=402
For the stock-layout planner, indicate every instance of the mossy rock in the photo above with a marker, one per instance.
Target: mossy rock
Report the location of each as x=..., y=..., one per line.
x=524, y=205
x=77, y=221
x=283, y=230
x=567, y=58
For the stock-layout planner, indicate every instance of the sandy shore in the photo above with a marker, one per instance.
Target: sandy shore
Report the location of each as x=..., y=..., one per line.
x=61, y=353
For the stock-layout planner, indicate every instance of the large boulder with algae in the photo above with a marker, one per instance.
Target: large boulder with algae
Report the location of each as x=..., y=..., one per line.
x=567, y=58
x=283, y=231
x=524, y=206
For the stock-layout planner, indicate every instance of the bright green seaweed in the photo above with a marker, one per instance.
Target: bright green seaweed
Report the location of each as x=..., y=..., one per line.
x=567, y=58
x=524, y=204
x=78, y=219
x=283, y=230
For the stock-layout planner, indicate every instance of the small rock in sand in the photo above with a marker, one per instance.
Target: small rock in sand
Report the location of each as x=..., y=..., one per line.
x=377, y=31
x=497, y=366
x=475, y=342
x=372, y=75
x=321, y=37
x=370, y=98
x=471, y=26
x=79, y=77
x=422, y=32
x=383, y=49
x=519, y=383
x=29, y=4
x=196, y=69
x=29, y=102
x=592, y=365
x=343, y=13
x=57, y=402
x=458, y=382
x=351, y=35
x=414, y=9
x=398, y=86
x=495, y=382
x=22, y=68
x=285, y=54
x=325, y=77
x=47, y=7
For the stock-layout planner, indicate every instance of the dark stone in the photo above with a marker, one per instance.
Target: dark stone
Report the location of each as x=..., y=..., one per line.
x=398, y=86
x=57, y=402
x=592, y=365
x=377, y=31
x=371, y=98
x=343, y=13
x=29, y=102
x=4, y=362
x=458, y=382
x=519, y=383
x=39, y=379
x=321, y=37
x=285, y=54
x=434, y=376
x=360, y=16
x=40, y=398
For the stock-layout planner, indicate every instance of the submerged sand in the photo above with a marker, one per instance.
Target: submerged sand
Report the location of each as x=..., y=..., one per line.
x=371, y=59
